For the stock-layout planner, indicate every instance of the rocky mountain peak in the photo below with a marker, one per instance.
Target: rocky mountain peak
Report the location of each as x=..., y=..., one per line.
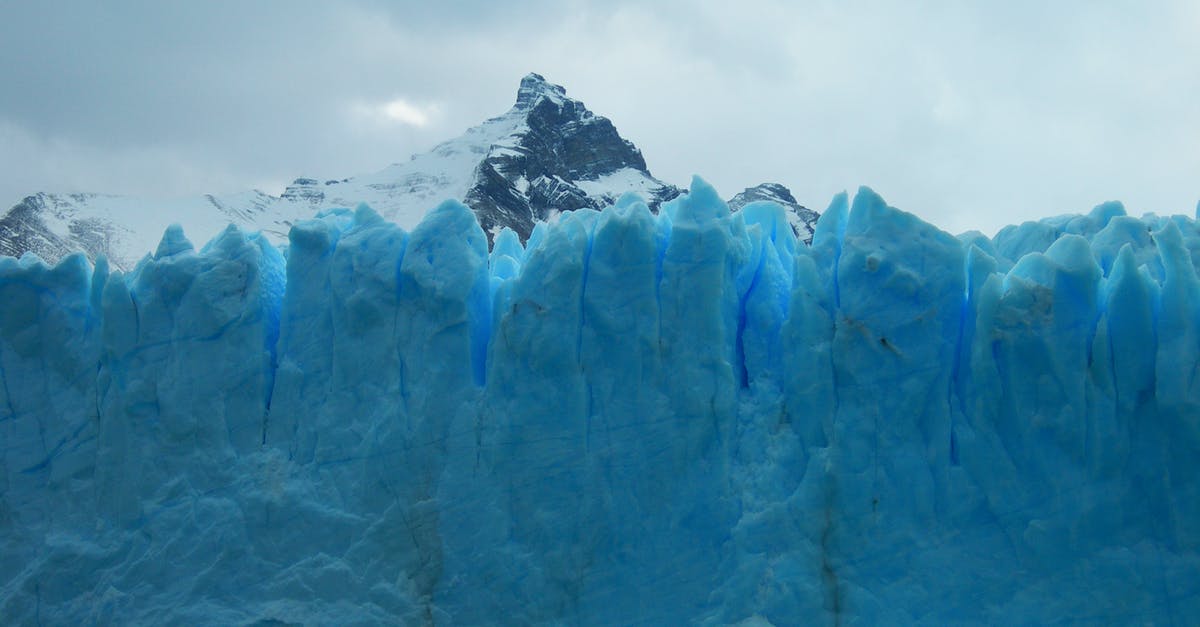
x=535, y=88
x=763, y=191
x=304, y=189
x=802, y=219
x=561, y=157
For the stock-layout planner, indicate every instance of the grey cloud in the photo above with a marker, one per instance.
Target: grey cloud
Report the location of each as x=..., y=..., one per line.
x=971, y=115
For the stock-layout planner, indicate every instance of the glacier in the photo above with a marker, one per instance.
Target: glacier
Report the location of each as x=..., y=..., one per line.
x=633, y=418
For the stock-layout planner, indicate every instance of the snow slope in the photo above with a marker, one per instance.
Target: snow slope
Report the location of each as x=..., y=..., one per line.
x=635, y=418
x=546, y=155
x=402, y=192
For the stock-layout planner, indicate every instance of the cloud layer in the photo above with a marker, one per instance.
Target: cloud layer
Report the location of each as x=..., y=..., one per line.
x=970, y=116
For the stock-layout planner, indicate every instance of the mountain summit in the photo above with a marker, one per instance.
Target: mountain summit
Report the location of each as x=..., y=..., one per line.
x=553, y=155
x=546, y=155
x=535, y=87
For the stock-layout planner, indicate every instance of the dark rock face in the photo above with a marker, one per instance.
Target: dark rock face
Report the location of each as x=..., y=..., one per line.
x=533, y=88
x=497, y=203
x=535, y=177
x=565, y=144
x=305, y=190
x=23, y=229
x=803, y=219
x=764, y=191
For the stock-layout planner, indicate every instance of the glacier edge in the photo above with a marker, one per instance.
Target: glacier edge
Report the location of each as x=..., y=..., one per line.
x=686, y=416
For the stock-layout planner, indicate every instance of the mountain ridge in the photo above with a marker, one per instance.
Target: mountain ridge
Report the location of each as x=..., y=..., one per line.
x=548, y=154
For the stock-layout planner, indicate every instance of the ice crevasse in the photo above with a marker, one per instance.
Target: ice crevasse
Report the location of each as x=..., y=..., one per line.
x=633, y=418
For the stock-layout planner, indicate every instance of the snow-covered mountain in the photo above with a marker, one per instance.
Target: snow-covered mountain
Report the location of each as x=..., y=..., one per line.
x=546, y=155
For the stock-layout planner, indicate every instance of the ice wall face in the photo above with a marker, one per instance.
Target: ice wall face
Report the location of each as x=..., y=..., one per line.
x=672, y=418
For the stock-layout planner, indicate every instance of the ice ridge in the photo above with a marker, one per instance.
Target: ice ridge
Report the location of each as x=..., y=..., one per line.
x=681, y=417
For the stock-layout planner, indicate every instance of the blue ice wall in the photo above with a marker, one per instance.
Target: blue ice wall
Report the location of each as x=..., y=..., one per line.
x=682, y=417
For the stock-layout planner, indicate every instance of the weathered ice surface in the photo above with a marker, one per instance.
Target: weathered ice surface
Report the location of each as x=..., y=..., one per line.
x=671, y=418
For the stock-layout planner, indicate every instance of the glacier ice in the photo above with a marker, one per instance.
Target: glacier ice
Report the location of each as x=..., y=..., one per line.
x=681, y=417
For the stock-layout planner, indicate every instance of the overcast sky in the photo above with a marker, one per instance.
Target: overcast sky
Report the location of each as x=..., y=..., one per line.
x=971, y=115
